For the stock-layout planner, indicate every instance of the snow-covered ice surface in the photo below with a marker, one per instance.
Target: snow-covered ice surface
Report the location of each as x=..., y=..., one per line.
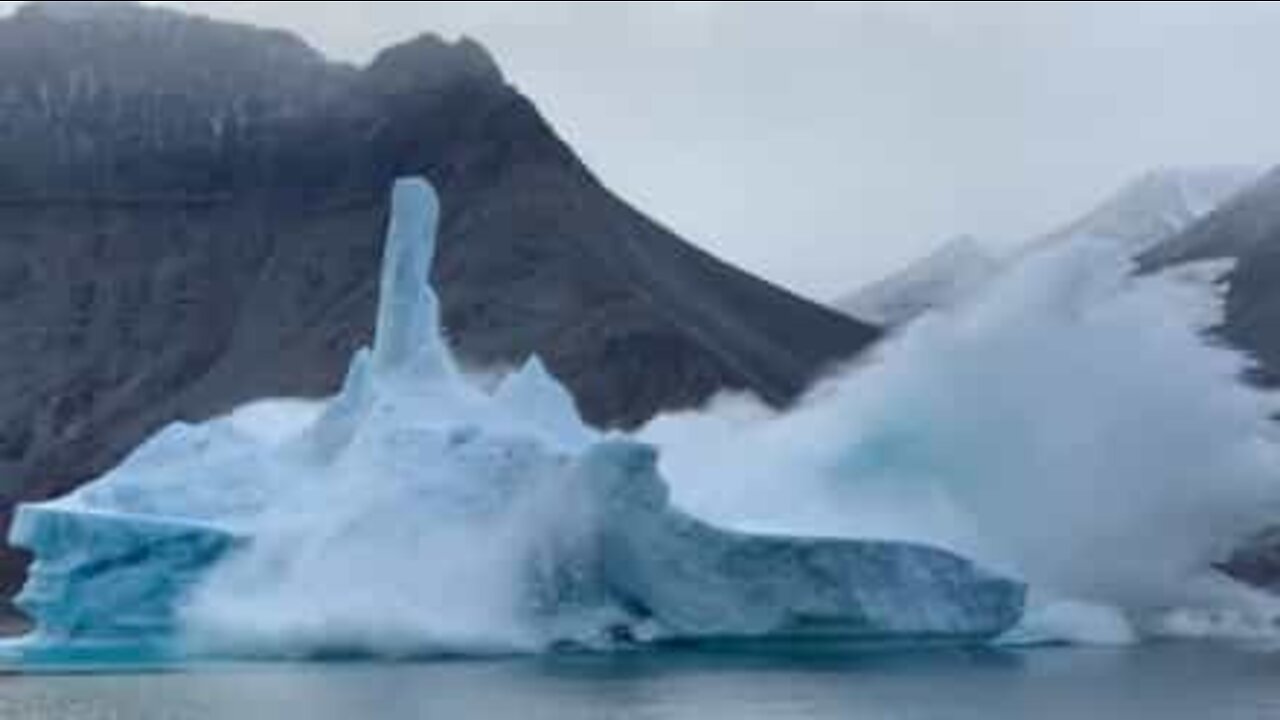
x=417, y=515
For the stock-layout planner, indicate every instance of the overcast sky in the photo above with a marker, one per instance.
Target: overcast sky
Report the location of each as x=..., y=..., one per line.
x=822, y=144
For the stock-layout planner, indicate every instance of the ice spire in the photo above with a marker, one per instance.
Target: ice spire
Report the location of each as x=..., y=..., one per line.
x=536, y=395
x=409, y=336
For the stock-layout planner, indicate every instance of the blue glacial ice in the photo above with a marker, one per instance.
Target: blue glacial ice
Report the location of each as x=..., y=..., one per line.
x=420, y=515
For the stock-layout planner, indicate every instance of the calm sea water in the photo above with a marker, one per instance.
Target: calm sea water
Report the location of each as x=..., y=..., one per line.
x=1170, y=682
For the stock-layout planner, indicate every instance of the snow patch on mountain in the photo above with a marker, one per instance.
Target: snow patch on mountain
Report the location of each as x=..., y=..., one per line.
x=1143, y=214
x=953, y=272
x=1159, y=205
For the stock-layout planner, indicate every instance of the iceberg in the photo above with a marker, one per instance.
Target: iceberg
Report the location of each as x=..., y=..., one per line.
x=419, y=515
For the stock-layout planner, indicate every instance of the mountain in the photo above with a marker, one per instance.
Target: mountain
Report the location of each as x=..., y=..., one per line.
x=1159, y=205
x=956, y=270
x=190, y=218
x=1140, y=216
x=1246, y=232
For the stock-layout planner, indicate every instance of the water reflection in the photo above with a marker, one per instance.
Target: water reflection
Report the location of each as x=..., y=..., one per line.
x=1171, y=682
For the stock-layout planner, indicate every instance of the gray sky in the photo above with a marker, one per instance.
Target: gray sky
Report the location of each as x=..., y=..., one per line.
x=822, y=144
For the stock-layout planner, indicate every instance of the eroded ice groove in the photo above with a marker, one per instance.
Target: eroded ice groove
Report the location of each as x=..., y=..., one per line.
x=417, y=515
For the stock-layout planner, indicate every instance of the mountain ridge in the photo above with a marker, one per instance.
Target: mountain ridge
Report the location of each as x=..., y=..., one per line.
x=190, y=219
x=1141, y=217
x=1160, y=204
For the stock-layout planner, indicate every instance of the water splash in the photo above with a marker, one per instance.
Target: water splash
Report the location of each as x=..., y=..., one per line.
x=1071, y=425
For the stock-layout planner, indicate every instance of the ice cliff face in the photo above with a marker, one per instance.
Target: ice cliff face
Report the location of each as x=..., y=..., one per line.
x=421, y=515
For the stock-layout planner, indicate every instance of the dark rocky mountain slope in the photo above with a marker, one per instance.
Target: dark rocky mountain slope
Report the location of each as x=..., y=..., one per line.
x=190, y=219
x=1246, y=231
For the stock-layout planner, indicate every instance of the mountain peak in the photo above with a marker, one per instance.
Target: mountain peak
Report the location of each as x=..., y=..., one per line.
x=943, y=278
x=430, y=60
x=161, y=178
x=1161, y=203
x=1245, y=226
x=1200, y=189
